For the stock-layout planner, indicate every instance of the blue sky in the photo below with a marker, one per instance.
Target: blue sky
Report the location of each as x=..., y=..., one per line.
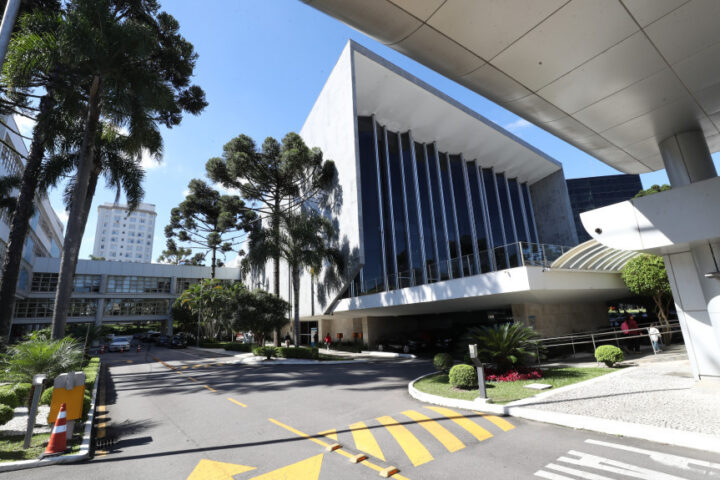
x=262, y=64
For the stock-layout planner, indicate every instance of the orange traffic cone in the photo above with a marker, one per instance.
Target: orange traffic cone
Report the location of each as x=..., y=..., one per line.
x=58, y=437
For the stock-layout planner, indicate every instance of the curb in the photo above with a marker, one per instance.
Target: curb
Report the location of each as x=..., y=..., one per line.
x=84, y=452
x=388, y=354
x=261, y=362
x=667, y=436
x=224, y=352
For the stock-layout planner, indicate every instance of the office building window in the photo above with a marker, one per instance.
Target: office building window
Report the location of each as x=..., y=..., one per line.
x=134, y=284
x=117, y=307
x=43, y=308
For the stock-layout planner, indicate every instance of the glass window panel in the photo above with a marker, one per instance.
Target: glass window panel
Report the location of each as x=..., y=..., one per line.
x=372, y=241
x=442, y=271
x=529, y=212
x=510, y=247
x=449, y=214
x=495, y=217
x=412, y=212
x=517, y=209
x=398, y=205
x=479, y=217
x=463, y=215
x=387, y=213
x=426, y=211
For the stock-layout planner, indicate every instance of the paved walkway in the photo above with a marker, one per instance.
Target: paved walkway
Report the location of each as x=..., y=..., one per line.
x=656, y=390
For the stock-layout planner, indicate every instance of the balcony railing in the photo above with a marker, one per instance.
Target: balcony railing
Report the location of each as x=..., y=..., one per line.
x=503, y=257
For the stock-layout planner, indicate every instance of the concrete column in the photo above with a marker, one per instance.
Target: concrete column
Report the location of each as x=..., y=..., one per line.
x=696, y=292
x=100, y=311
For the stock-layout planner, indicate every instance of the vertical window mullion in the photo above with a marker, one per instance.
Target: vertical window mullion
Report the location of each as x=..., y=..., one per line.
x=471, y=215
x=486, y=216
x=500, y=213
x=431, y=213
x=421, y=231
x=442, y=210
x=524, y=213
x=390, y=202
x=380, y=204
x=408, y=244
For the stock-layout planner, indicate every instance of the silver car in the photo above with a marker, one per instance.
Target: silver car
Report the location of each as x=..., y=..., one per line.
x=119, y=344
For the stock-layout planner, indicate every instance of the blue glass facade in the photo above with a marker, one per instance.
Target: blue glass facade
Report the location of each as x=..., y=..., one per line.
x=429, y=215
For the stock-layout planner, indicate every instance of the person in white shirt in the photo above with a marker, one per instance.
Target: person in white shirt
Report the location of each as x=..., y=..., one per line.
x=654, y=334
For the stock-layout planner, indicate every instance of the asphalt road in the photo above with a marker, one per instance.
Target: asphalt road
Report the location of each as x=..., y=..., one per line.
x=182, y=414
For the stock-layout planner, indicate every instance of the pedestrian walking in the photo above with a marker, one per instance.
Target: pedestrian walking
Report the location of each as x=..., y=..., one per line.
x=328, y=341
x=631, y=331
x=654, y=334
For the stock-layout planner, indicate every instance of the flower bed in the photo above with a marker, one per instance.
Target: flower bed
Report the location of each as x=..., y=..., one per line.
x=513, y=375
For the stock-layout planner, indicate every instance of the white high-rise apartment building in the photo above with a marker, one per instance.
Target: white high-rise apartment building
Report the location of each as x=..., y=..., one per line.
x=125, y=236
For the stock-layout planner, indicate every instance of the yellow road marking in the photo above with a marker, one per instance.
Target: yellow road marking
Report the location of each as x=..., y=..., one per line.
x=237, y=403
x=476, y=430
x=499, y=422
x=184, y=367
x=332, y=433
x=210, y=388
x=342, y=452
x=365, y=441
x=298, y=432
x=308, y=469
x=212, y=470
x=443, y=435
x=416, y=451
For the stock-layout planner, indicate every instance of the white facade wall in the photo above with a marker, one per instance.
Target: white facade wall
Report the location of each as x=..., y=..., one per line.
x=125, y=236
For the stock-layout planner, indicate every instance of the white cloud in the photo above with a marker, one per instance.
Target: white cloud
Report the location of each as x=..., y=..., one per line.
x=63, y=216
x=25, y=125
x=186, y=192
x=226, y=191
x=518, y=124
x=150, y=163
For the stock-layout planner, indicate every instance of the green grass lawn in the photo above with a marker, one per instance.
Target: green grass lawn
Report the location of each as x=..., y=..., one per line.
x=505, y=392
x=11, y=447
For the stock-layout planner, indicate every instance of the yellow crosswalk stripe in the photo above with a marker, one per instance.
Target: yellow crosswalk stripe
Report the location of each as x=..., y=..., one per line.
x=443, y=435
x=499, y=422
x=365, y=441
x=416, y=451
x=332, y=433
x=476, y=430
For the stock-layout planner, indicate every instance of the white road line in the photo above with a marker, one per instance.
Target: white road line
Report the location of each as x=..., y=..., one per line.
x=576, y=472
x=613, y=466
x=551, y=476
x=676, y=461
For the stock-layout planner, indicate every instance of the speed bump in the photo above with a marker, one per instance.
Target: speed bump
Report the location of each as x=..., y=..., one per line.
x=358, y=458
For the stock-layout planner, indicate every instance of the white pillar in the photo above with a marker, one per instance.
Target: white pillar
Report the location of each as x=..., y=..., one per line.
x=696, y=292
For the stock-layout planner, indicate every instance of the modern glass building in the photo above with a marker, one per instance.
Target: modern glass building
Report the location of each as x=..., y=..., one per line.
x=443, y=214
x=594, y=192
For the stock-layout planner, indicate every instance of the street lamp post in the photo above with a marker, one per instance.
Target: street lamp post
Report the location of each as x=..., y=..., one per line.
x=197, y=337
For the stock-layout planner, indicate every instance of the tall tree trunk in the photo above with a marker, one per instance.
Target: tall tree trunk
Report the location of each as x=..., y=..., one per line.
x=276, y=261
x=23, y=213
x=212, y=265
x=76, y=224
x=296, y=304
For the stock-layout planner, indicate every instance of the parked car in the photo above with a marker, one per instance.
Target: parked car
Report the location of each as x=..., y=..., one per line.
x=397, y=343
x=178, y=341
x=152, y=337
x=119, y=344
x=162, y=341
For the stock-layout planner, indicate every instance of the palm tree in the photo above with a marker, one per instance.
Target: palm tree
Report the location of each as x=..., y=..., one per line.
x=306, y=241
x=136, y=71
x=8, y=201
x=505, y=346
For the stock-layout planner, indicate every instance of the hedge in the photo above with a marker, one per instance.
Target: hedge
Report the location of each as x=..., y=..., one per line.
x=239, y=347
x=297, y=352
x=463, y=376
x=266, y=352
x=6, y=414
x=443, y=362
x=22, y=390
x=9, y=397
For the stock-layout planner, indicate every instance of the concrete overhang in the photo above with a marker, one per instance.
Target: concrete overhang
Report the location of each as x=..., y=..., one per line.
x=403, y=102
x=487, y=291
x=663, y=223
x=611, y=77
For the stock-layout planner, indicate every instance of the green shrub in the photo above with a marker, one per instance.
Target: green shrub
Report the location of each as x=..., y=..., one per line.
x=22, y=390
x=463, y=376
x=506, y=346
x=297, y=352
x=239, y=347
x=8, y=396
x=443, y=362
x=346, y=346
x=267, y=352
x=214, y=344
x=6, y=414
x=609, y=355
x=46, y=396
x=87, y=401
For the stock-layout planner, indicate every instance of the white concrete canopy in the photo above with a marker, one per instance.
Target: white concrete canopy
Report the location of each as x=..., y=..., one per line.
x=612, y=77
x=403, y=102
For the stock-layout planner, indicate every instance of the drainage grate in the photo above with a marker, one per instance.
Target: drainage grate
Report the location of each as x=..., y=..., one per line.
x=105, y=442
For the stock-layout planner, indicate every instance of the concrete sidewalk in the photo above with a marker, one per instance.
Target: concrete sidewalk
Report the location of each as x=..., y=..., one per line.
x=653, y=397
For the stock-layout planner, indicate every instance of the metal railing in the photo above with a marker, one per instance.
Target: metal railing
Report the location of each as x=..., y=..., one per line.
x=586, y=340
x=506, y=256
